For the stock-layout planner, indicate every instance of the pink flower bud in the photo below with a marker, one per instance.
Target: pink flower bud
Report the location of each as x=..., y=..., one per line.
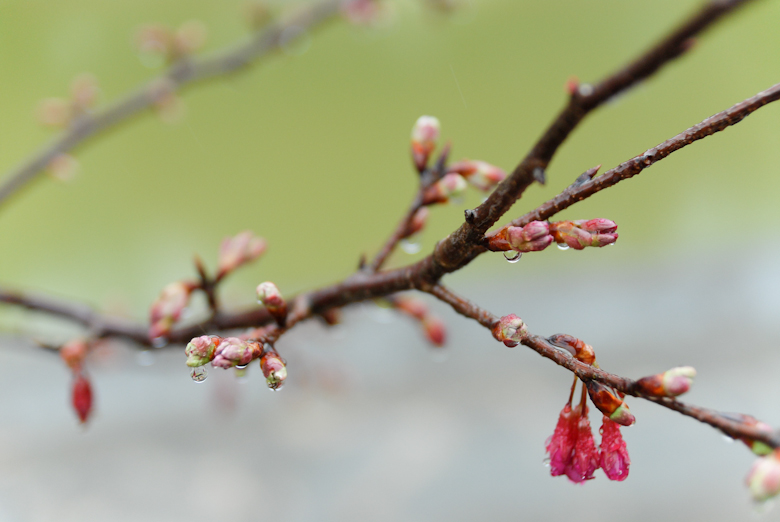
x=417, y=222
x=579, y=349
x=613, y=454
x=201, y=350
x=73, y=353
x=510, y=330
x=435, y=330
x=671, y=383
x=274, y=369
x=580, y=234
x=764, y=477
x=54, y=112
x=482, y=175
x=533, y=237
x=238, y=250
x=84, y=92
x=232, y=351
x=451, y=185
x=268, y=294
x=167, y=308
x=82, y=397
x=425, y=133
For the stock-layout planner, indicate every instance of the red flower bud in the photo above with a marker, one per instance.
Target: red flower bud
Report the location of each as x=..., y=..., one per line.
x=201, y=350
x=435, y=330
x=425, y=133
x=232, y=351
x=270, y=296
x=764, y=477
x=670, y=383
x=533, y=237
x=610, y=404
x=82, y=397
x=73, y=353
x=411, y=306
x=274, y=369
x=482, y=175
x=510, y=330
x=451, y=185
x=168, y=306
x=239, y=250
x=580, y=234
x=417, y=222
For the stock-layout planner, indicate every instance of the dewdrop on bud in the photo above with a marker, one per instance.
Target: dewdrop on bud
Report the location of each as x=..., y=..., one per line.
x=274, y=369
x=238, y=250
x=763, y=480
x=510, y=330
x=270, y=297
x=610, y=404
x=451, y=185
x=232, y=351
x=201, y=350
x=73, y=353
x=580, y=234
x=81, y=397
x=670, y=383
x=480, y=174
x=533, y=237
x=425, y=134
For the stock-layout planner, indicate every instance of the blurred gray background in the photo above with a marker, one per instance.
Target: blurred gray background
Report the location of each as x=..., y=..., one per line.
x=310, y=150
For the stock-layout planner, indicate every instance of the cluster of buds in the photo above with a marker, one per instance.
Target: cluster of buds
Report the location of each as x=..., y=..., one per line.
x=763, y=480
x=670, y=383
x=572, y=449
x=168, y=307
x=510, y=330
x=274, y=368
x=581, y=233
x=533, y=237
x=434, y=328
x=480, y=174
x=61, y=112
x=239, y=250
x=232, y=351
x=201, y=350
x=156, y=41
x=73, y=353
x=269, y=296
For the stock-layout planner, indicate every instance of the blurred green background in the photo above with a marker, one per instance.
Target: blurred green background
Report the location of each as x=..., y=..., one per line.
x=311, y=150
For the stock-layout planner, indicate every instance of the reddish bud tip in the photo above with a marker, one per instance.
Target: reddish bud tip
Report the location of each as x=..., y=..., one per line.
x=764, y=477
x=168, y=306
x=73, y=353
x=510, y=330
x=670, y=383
x=82, y=397
x=201, y=350
x=232, y=351
x=572, y=84
x=274, y=369
x=411, y=306
x=533, y=237
x=480, y=174
x=609, y=403
x=269, y=296
x=425, y=134
x=417, y=222
x=239, y=250
x=451, y=185
x=435, y=330
x=361, y=12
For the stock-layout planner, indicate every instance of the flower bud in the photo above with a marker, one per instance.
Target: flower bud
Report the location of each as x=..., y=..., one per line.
x=481, y=174
x=238, y=250
x=331, y=316
x=63, y=167
x=232, y=351
x=580, y=234
x=84, y=92
x=451, y=185
x=73, y=353
x=613, y=454
x=510, y=330
x=201, y=350
x=411, y=306
x=167, y=308
x=274, y=369
x=435, y=330
x=189, y=37
x=764, y=477
x=361, y=12
x=54, y=112
x=533, y=237
x=82, y=397
x=671, y=383
x=417, y=222
x=610, y=404
x=757, y=447
x=579, y=349
x=425, y=133
x=270, y=296
x=162, y=92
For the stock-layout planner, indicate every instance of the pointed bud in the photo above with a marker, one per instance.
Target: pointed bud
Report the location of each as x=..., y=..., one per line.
x=84, y=92
x=533, y=237
x=435, y=330
x=274, y=369
x=167, y=308
x=54, y=112
x=425, y=134
x=82, y=397
x=671, y=383
x=417, y=222
x=764, y=477
x=613, y=454
x=480, y=174
x=580, y=234
x=451, y=185
x=411, y=306
x=73, y=353
x=232, y=351
x=270, y=296
x=579, y=349
x=510, y=330
x=201, y=350
x=238, y=250
x=609, y=403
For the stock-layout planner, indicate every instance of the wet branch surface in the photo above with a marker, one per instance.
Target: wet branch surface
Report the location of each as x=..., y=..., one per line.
x=453, y=252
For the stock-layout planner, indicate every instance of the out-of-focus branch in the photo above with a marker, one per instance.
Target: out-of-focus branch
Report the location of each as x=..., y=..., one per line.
x=181, y=74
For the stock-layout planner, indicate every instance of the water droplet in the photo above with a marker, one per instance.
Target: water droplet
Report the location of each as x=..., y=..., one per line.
x=546, y=462
x=611, y=244
x=159, y=342
x=199, y=374
x=585, y=89
x=563, y=246
x=144, y=358
x=240, y=366
x=241, y=374
x=728, y=439
x=512, y=256
x=410, y=247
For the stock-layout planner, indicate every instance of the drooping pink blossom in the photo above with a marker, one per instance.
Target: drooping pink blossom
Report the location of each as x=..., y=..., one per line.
x=585, y=457
x=82, y=397
x=560, y=446
x=613, y=454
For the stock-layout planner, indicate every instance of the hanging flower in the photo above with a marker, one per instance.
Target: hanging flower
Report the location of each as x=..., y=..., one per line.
x=585, y=458
x=613, y=455
x=560, y=445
